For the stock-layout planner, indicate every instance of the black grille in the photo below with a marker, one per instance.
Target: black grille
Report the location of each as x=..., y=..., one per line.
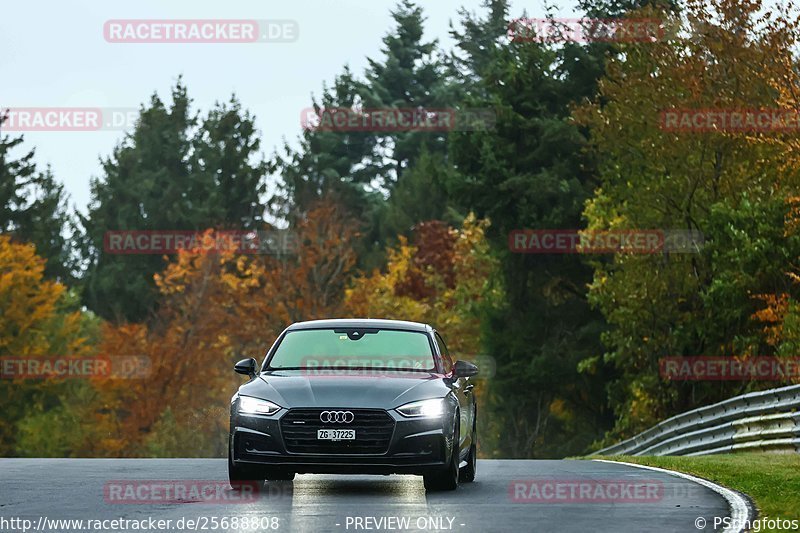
x=373, y=432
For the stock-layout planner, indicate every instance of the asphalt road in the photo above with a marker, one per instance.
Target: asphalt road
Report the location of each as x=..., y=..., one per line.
x=95, y=489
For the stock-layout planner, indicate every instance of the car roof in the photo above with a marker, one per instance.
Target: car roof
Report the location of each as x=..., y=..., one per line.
x=360, y=323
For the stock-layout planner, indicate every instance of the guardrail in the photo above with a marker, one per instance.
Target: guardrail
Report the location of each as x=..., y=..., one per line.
x=759, y=421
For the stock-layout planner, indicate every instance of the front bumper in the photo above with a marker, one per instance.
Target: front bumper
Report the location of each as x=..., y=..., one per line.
x=416, y=446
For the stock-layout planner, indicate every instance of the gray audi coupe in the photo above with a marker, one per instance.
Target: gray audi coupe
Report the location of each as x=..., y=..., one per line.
x=355, y=396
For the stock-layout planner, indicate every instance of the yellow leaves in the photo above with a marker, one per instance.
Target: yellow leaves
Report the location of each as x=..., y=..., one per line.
x=559, y=409
x=412, y=289
x=723, y=60
x=30, y=322
x=792, y=222
x=33, y=324
x=777, y=305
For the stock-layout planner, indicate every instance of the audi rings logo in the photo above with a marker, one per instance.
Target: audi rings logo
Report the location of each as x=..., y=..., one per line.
x=336, y=417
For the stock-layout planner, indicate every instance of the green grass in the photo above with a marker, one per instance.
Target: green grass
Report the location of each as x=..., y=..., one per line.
x=771, y=480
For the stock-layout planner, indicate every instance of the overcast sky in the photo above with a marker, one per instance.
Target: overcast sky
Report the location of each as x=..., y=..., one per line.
x=54, y=54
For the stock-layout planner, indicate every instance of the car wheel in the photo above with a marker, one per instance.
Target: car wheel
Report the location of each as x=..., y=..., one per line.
x=448, y=478
x=238, y=476
x=279, y=476
x=467, y=474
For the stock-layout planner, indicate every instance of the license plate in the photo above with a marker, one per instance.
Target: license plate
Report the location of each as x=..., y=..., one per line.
x=336, y=434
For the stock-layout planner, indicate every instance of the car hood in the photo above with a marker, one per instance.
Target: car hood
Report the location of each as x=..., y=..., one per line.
x=295, y=389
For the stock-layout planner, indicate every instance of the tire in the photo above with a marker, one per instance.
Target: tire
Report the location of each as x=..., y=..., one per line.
x=238, y=476
x=467, y=474
x=446, y=479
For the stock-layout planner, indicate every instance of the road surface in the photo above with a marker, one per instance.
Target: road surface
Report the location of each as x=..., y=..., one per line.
x=539, y=496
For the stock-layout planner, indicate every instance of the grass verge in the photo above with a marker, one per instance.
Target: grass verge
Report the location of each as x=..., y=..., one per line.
x=771, y=480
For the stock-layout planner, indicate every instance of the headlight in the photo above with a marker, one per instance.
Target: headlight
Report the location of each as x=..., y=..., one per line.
x=423, y=409
x=254, y=406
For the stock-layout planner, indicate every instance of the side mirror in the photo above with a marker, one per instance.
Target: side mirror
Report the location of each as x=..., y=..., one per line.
x=464, y=369
x=246, y=367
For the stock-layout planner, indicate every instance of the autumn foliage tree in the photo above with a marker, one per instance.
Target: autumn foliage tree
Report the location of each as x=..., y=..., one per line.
x=216, y=308
x=576, y=140
x=441, y=279
x=38, y=319
x=446, y=278
x=730, y=186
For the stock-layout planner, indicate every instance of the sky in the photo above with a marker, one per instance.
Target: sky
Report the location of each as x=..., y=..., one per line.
x=55, y=55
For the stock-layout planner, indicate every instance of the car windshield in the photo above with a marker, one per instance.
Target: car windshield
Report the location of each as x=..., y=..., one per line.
x=354, y=348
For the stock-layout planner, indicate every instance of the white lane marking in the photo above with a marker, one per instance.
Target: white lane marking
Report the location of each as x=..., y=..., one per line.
x=741, y=512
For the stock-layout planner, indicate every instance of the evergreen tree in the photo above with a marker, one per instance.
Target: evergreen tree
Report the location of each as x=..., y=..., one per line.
x=227, y=156
x=167, y=176
x=362, y=168
x=410, y=75
x=340, y=164
x=420, y=196
x=530, y=171
x=477, y=41
x=33, y=208
x=15, y=175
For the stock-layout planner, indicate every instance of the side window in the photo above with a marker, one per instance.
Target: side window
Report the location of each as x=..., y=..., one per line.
x=446, y=360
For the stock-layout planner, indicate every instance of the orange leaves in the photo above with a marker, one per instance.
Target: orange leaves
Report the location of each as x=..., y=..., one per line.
x=217, y=308
x=780, y=305
x=27, y=299
x=432, y=263
x=777, y=305
x=728, y=58
x=439, y=280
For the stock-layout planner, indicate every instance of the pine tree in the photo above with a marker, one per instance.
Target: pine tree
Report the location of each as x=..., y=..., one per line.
x=33, y=208
x=410, y=75
x=165, y=176
x=340, y=164
x=477, y=41
x=530, y=171
x=227, y=155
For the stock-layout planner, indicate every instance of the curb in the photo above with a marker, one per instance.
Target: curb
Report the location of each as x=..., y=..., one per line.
x=742, y=510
